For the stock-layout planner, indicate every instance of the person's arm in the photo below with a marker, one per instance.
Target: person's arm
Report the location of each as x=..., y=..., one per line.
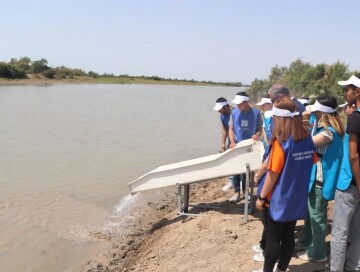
x=270, y=181
x=354, y=158
x=306, y=114
x=275, y=166
x=322, y=138
x=353, y=129
x=231, y=137
x=231, y=133
x=265, y=137
x=224, y=133
x=262, y=171
x=259, y=128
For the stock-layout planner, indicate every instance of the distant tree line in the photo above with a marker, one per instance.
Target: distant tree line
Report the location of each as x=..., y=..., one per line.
x=25, y=68
x=304, y=79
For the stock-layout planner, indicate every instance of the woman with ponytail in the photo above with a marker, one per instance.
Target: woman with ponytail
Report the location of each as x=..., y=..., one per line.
x=329, y=149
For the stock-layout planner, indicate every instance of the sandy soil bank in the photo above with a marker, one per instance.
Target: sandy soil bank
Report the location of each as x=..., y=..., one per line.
x=217, y=240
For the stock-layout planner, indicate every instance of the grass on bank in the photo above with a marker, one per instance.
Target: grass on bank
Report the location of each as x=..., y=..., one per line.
x=38, y=79
x=42, y=80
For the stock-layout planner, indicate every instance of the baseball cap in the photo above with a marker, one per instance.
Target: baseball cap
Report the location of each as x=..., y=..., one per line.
x=353, y=80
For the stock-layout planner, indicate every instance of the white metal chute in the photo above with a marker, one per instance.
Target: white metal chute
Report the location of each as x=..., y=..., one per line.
x=231, y=162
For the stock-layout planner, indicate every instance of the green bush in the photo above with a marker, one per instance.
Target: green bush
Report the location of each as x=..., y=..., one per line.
x=11, y=71
x=50, y=73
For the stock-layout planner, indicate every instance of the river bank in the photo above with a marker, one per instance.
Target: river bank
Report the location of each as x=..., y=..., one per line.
x=217, y=240
x=41, y=80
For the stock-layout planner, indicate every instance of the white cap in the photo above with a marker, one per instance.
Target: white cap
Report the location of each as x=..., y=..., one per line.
x=319, y=107
x=239, y=99
x=343, y=105
x=264, y=101
x=220, y=105
x=353, y=80
x=304, y=101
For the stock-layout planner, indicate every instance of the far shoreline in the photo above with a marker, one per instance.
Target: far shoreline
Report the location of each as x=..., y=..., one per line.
x=103, y=80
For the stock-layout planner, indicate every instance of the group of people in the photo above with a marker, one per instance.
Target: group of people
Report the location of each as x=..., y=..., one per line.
x=310, y=159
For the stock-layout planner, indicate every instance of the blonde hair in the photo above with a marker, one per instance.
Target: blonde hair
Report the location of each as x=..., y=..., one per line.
x=333, y=120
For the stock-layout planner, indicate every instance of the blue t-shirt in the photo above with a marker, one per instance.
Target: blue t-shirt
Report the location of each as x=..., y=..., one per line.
x=245, y=124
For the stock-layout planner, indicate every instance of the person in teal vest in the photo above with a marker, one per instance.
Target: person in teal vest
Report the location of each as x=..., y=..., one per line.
x=245, y=123
x=346, y=214
x=266, y=113
x=325, y=173
x=283, y=197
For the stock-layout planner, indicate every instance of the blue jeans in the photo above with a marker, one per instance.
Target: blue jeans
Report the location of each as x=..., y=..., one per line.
x=346, y=222
x=235, y=180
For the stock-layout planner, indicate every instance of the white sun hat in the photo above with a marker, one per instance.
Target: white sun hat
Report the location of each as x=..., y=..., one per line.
x=263, y=101
x=319, y=107
x=343, y=105
x=304, y=101
x=240, y=98
x=283, y=113
x=220, y=105
x=353, y=80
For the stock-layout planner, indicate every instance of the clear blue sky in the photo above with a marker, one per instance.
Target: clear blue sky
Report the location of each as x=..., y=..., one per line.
x=185, y=39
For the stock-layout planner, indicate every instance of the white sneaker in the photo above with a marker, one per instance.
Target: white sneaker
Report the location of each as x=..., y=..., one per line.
x=259, y=257
x=235, y=198
x=305, y=257
x=257, y=249
x=228, y=186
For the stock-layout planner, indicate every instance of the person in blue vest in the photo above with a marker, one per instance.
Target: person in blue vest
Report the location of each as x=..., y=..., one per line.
x=276, y=91
x=325, y=173
x=222, y=106
x=346, y=213
x=245, y=123
x=283, y=197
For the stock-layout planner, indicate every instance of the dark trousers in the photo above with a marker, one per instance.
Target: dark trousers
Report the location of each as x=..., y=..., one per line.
x=280, y=243
x=236, y=182
x=263, y=236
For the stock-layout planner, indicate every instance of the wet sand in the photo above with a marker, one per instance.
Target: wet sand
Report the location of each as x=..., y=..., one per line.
x=216, y=240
